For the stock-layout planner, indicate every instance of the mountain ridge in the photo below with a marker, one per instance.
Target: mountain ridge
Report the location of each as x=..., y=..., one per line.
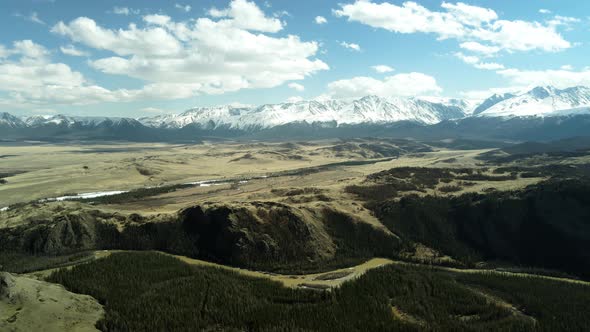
x=506, y=116
x=368, y=109
x=539, y=101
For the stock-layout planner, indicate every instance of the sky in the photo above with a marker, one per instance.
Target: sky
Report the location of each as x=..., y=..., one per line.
x=143, y=58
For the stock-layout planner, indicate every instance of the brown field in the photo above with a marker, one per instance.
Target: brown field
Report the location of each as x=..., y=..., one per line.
x=48, y=171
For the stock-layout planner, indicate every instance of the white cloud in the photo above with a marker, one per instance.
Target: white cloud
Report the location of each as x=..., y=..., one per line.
x=561, y=78
x=72, y=50
x=565, y=21
x=44, y=111
x=408, y=18
x=520, y=81
x=217, y=57
x=320, y=20
x=33, y=80
x=237, y=104
x=149, y=41
x=296, y=86
x=294, y=99
x=382, y=69
x=35, y=18
x=484, y=94
x=21, y=76
x=281, y=14
x=185, y=8
x=477, y=63
x=352, y=46
x=409, y=84
x=464, y=22
x=567, y=67
x=523, y=36
x=157, y=19
x=175, y=59
x=125, y=11
x=247, y=15
x=479, y=48
x=469, y=59
x=489, y=65
x=154, y=110
x=29, y=51
x=470, y=15
x=121, y=10
x=544, y=11
x=32, y=77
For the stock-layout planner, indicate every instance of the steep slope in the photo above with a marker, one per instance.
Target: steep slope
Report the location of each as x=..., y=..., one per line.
x=10, y=121
x=543, y=101
x=261, y=235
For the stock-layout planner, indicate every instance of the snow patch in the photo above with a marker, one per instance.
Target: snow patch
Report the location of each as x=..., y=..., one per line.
x=209, y=183
x=84, y=196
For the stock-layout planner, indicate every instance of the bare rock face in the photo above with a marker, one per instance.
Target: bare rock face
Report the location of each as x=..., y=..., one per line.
x=6, y=286
x=62, y=234
x=254, y=232
x=70, y=232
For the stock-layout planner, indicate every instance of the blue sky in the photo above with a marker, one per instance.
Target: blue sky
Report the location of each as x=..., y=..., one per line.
x=141, y=58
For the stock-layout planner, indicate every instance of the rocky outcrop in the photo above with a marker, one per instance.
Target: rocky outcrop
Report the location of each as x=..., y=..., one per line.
x=6, y=286
x=62, y=234
x=255, y=232
x=249, y=234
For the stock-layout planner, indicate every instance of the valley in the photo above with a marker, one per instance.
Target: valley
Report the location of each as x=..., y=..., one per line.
x=317, y=217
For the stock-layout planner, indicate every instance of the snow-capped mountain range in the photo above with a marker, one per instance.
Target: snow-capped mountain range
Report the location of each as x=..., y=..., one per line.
x=370, y=109
x=538, y=102
x=92, y=121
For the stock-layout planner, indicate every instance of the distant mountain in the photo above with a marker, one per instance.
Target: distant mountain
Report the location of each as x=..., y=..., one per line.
x=366, y=110
x=10, y=121
x=541, y=101
x=543, y=113
x=79, y=121
x=63, y=127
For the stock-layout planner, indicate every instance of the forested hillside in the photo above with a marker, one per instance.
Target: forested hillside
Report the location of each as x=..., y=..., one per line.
x=156, y=292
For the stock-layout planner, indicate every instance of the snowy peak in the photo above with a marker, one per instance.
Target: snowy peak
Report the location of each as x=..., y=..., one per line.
x=10, y=121
x=540, y=101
